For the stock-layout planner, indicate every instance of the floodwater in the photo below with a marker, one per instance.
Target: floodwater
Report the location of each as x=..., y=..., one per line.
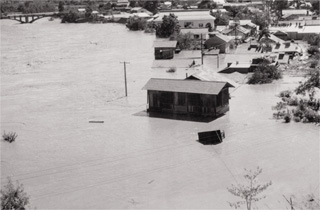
x=55, y=78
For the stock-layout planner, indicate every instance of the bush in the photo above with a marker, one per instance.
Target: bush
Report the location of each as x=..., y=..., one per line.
x=172, y=70
x=13, y=197
x=70, y=17
x=287, y=118
x=135, y=23
x=314, y=63
x=296, y=119
x=313, y=39
x=313, y=50
x=9, y=137
x=280, y=105
x=285, y=93
x=293, y=101
x=311, y=116
x=265, y=74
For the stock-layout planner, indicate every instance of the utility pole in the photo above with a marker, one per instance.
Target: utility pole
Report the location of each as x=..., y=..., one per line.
x=125, y=75
x=201, y=50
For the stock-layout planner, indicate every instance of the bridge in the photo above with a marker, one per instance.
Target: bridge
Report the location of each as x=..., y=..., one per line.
x=28, y=18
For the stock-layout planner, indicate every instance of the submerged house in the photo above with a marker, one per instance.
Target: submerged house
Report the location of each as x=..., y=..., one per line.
x=164, y=49
x=219, y=41
x=201, y=98
x=189, y=19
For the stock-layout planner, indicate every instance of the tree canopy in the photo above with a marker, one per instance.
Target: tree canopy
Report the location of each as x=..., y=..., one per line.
x=168, y=26
x=13, y=197
x=135, y=23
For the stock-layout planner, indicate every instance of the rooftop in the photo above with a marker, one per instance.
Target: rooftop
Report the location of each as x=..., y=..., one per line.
x=194, y=30
x=186, y=15
x=186, y=86
x=165, y=44
x=221, y=37
x=295, y=11
x=212, y=76
x=287, y=47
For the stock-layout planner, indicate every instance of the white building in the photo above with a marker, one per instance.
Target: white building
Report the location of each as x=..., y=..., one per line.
x=189, y=19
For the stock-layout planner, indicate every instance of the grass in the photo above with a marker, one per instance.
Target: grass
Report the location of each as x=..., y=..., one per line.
x=9, y=137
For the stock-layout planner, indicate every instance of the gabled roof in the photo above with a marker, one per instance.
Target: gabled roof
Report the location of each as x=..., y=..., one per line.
x=279, y=32
x=212, y=76
x=275, y=39
x=186, y=86
x=164, y=44
x=239, y=28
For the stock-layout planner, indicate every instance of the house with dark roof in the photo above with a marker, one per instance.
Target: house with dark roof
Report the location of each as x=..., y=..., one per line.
x=164, y=49
x=194, y=97
x=218, y=41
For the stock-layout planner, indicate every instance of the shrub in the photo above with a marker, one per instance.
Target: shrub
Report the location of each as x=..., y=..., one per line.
x=313, y=50
x=9, y=137
x=280, y=105
x=311, y=115
x=313, y=39
x=172, y=70
x=285, y=93
x=314, y=63
x=287, y=118
x=13, y=197
x=135, y=23
x=293, y=101
x=296, y=119
x=265, y=74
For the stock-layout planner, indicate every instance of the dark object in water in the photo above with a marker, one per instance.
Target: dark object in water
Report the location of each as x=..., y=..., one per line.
x=211, y=137
x=96, y=121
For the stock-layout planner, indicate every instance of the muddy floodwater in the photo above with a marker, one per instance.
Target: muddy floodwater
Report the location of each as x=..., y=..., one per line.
x=55, y=78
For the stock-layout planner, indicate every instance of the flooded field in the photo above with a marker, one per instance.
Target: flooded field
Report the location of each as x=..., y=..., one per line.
x=55, y=78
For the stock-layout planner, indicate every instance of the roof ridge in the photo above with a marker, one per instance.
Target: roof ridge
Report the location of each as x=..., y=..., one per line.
x=187, y=80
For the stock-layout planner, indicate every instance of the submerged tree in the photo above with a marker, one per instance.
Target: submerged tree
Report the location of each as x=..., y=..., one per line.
x=13, y=197
x=168, y=26
x=250, y=191
x=136, y=23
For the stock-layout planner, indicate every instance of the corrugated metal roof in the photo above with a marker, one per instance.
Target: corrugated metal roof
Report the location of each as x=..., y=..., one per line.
x=185, y=86
x=164, y=44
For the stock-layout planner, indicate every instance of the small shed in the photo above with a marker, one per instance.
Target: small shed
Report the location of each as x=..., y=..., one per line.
x=218, y=41
x=202, y=98
x=164, y=49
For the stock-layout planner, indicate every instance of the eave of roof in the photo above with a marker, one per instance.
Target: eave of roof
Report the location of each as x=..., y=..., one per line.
x=186, y=86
